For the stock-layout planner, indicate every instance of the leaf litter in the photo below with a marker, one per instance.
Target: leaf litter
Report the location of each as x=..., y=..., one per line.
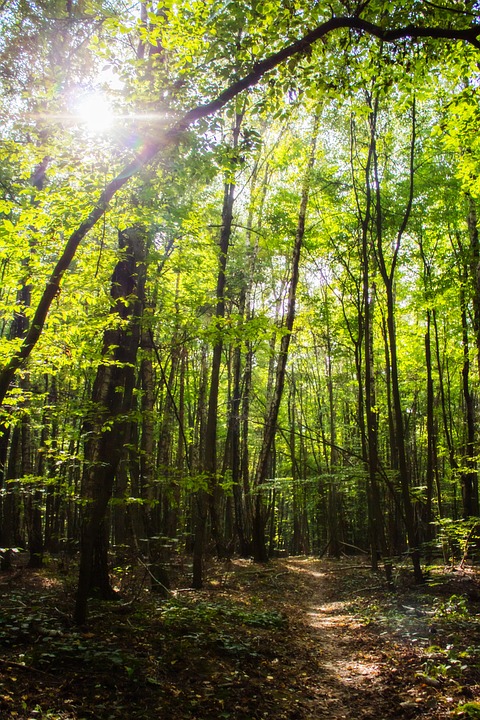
x=297, y=639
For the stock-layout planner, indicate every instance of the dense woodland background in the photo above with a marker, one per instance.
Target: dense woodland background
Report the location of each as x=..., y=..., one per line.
x=267, y=333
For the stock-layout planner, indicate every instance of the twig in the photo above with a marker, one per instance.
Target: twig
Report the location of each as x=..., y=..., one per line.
x=355, y=547
x=167, y=590
x=342, y=568
x=373, y=587
x=470, y=535
x=19, y=666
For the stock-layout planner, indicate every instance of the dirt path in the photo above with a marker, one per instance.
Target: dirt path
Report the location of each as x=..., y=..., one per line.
x=349, y=678
x=413, y=653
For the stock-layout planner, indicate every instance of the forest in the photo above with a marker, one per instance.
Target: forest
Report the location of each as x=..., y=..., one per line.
x=240, y=292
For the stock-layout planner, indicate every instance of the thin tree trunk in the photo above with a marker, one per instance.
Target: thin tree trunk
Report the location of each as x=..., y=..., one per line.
x=472, y=221
x=468, y=475
x=35, y=525
x=11, y=511
x=431, y=436
x=388, y=276
x=260, y=517
x=210, y=498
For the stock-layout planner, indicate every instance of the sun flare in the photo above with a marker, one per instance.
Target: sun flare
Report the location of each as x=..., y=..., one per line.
x=95, y=112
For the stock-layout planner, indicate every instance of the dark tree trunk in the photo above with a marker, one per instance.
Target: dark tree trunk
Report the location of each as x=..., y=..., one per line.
x=431, y=438
x=472, y=221
x=469, y=473
x=235, y=448
x=106, y=428
x=4, y=535
x=35, y=524
x=53, y=491
x=10, y=504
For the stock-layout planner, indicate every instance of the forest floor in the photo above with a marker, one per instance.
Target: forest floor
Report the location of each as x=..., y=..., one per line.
x=297, y=639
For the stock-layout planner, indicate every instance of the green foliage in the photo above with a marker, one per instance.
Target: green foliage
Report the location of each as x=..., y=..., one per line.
x=469, y=710
x=458, y=533
x=51, y=645
x=453, y=663
x=202, y=615
x=455, y=609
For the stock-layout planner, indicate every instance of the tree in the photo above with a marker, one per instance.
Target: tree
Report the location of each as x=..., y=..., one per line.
x=107, y=426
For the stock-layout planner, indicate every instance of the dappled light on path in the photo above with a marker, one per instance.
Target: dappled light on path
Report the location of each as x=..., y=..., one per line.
x=349, y=676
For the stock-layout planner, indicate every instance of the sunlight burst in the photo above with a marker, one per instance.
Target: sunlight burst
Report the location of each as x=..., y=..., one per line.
x=95, y=111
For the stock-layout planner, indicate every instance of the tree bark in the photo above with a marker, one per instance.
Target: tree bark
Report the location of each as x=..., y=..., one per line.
x=472, y=221
x=105, y=429
x=468, y=476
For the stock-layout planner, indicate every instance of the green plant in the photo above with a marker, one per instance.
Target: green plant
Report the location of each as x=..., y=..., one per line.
x=470, y=710
x=454, y=608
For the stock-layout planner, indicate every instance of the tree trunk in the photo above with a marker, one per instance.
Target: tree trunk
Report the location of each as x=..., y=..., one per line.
x=468, y=475
x=35, y=525
x=208, y=498
x=260, y=515
x=106, y=428
x=472, y=221
x=388, y=277
x=431, y=438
